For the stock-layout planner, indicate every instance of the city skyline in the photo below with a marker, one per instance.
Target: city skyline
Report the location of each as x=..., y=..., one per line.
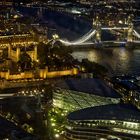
x=69, y=70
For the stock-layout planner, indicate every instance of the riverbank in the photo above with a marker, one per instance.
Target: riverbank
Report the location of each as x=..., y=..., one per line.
x=89, y=47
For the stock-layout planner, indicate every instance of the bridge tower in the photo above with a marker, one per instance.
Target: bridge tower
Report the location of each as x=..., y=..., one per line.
x=130, y=29
x=97, y=26
x=40, y=12
x=35, y=53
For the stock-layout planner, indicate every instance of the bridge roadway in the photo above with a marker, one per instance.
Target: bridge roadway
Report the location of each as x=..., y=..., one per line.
x=114, y=28
x=107, y=44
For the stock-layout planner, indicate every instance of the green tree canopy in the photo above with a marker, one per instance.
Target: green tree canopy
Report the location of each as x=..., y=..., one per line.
x=55, y=55
x=25, y=61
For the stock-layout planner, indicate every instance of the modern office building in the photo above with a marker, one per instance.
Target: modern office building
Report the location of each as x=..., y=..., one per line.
x=108, y=122
x=128, y=88
x=73, y=94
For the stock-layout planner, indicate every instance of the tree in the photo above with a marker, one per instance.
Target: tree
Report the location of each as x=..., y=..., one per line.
x=25, y=62
x=55, y=55
x=93, y=67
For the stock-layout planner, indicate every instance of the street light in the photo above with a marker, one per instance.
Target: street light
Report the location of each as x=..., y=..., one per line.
x=57, y=135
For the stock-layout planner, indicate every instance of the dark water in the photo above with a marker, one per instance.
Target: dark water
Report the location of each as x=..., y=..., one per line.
x=117, y=60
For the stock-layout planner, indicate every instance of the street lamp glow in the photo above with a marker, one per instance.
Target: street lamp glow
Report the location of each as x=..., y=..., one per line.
x=62, y=114
x=57, y=135
x=120, y=21
x=51, y=119
x=53, y=124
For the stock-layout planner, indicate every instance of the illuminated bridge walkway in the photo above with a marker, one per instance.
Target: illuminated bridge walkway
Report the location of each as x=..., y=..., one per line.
x=84, y=40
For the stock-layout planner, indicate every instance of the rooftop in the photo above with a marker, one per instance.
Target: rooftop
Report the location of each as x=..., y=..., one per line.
x=7, y=128
x=91, y=86
x=130, y=83
x=123, y=112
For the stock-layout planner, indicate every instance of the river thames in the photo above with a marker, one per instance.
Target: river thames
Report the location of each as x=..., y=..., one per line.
x=117, y=60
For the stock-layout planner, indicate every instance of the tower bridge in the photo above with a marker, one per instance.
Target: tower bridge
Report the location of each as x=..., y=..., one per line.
x=94, y=36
